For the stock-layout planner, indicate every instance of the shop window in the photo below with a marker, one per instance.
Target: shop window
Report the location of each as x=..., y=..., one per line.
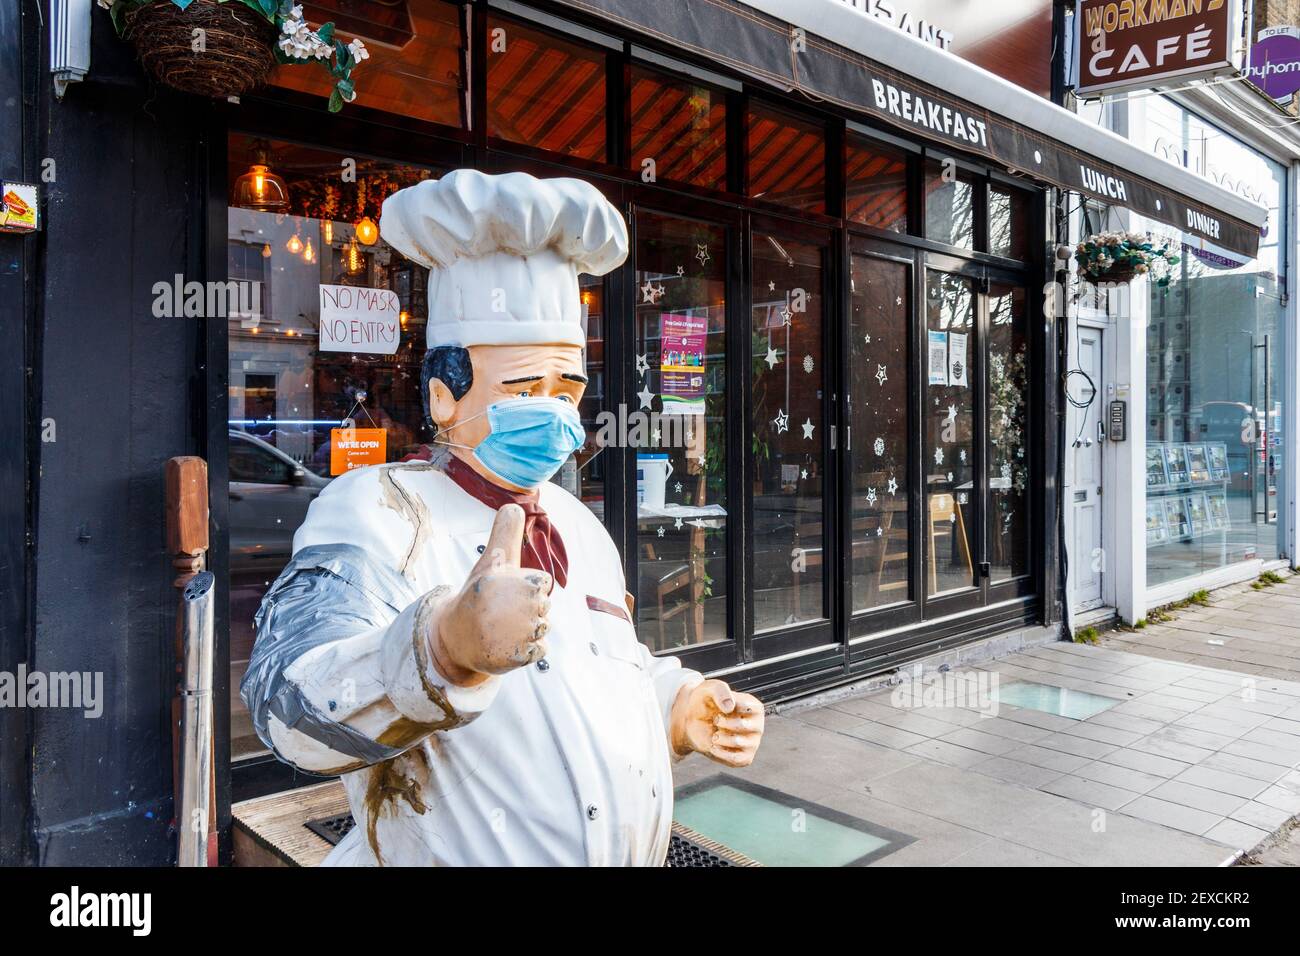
x=679, y=130
x=949, y=433
x=949, y=204
x=290, y=388
x=1008, y=433
x=1008, y=222
x=584, y=475
x=545, y=92
x=1216, y=379
x=879, y=437
x=787, y=433
x=679, y=431
x=787, y=159
x=875, y=183
x=416, y=64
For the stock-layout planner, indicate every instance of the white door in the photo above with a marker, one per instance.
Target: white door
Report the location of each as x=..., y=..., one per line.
x=1083, y=495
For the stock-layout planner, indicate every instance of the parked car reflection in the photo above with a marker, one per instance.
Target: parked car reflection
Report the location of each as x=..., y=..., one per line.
x=269, y=497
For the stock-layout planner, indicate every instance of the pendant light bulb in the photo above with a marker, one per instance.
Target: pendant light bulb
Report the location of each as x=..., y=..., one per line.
x=367, y=231
x=259, y=188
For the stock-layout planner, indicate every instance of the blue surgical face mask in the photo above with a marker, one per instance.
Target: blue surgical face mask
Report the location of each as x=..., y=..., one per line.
x=528, y=439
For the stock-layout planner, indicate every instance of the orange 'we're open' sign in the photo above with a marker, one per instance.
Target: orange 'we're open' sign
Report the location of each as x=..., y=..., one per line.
x=356, y=447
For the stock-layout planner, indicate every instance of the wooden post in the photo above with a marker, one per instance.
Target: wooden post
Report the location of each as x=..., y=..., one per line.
x=186, y=483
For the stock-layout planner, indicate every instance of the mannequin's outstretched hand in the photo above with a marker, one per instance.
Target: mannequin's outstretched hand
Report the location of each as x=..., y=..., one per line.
x=718, y=722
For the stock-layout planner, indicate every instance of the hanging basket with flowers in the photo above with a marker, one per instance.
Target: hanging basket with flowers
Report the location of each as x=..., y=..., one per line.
x=223, y=48
x=1120, y=256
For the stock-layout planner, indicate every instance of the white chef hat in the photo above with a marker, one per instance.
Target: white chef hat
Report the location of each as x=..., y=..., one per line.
x=504, y=253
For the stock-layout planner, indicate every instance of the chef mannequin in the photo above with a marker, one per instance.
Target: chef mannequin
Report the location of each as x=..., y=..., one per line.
x=455, y=637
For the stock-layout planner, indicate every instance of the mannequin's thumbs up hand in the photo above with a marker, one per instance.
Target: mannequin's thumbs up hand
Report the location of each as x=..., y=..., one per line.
x=498, y=621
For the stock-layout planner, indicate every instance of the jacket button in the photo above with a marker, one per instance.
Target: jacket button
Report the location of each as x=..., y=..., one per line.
x=592, y=812
x=543, y=665
x=594, y=649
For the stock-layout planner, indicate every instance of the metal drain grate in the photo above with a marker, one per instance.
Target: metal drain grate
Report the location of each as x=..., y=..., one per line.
x=686, y=848
x=683, y=852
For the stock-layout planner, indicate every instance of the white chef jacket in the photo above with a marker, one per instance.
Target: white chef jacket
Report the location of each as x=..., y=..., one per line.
x=563, y=762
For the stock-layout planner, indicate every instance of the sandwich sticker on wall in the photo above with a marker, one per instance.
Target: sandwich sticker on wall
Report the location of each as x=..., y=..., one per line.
x=358, y=319
x=19, y=207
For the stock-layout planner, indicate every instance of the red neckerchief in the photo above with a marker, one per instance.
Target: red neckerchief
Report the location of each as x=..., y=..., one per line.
x=543, y=547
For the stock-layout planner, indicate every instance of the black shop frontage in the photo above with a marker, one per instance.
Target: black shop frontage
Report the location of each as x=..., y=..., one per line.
x=824, y=390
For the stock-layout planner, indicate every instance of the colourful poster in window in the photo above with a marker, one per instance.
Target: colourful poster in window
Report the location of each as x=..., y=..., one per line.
x=681, y=363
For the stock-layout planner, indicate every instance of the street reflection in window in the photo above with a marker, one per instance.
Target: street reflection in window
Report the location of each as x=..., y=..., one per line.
x=790, y=530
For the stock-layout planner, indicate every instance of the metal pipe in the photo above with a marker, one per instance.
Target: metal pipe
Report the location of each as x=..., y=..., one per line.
x=70, y=26
x=196, y=721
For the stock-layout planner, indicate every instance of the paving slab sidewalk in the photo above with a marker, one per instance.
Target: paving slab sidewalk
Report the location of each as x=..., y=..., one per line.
x=1189, y=763
x=1250, y=630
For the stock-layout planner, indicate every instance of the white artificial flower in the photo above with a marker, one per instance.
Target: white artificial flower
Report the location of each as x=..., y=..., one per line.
x=358, y=50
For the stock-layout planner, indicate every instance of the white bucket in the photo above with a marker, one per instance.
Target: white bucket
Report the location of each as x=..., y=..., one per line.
x=652, y=473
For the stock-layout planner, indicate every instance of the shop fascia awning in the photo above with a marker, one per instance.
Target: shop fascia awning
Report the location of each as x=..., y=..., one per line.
x=876, y=70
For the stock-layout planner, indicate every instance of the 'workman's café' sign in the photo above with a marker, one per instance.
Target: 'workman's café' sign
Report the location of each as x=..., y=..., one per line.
x=1129, y=44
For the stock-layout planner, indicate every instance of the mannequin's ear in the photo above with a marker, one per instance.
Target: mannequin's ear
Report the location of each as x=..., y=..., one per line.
x=442, y=404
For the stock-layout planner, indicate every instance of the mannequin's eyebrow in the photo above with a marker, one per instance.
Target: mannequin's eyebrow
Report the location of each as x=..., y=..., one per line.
x=517, y=381
x=574, y=377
